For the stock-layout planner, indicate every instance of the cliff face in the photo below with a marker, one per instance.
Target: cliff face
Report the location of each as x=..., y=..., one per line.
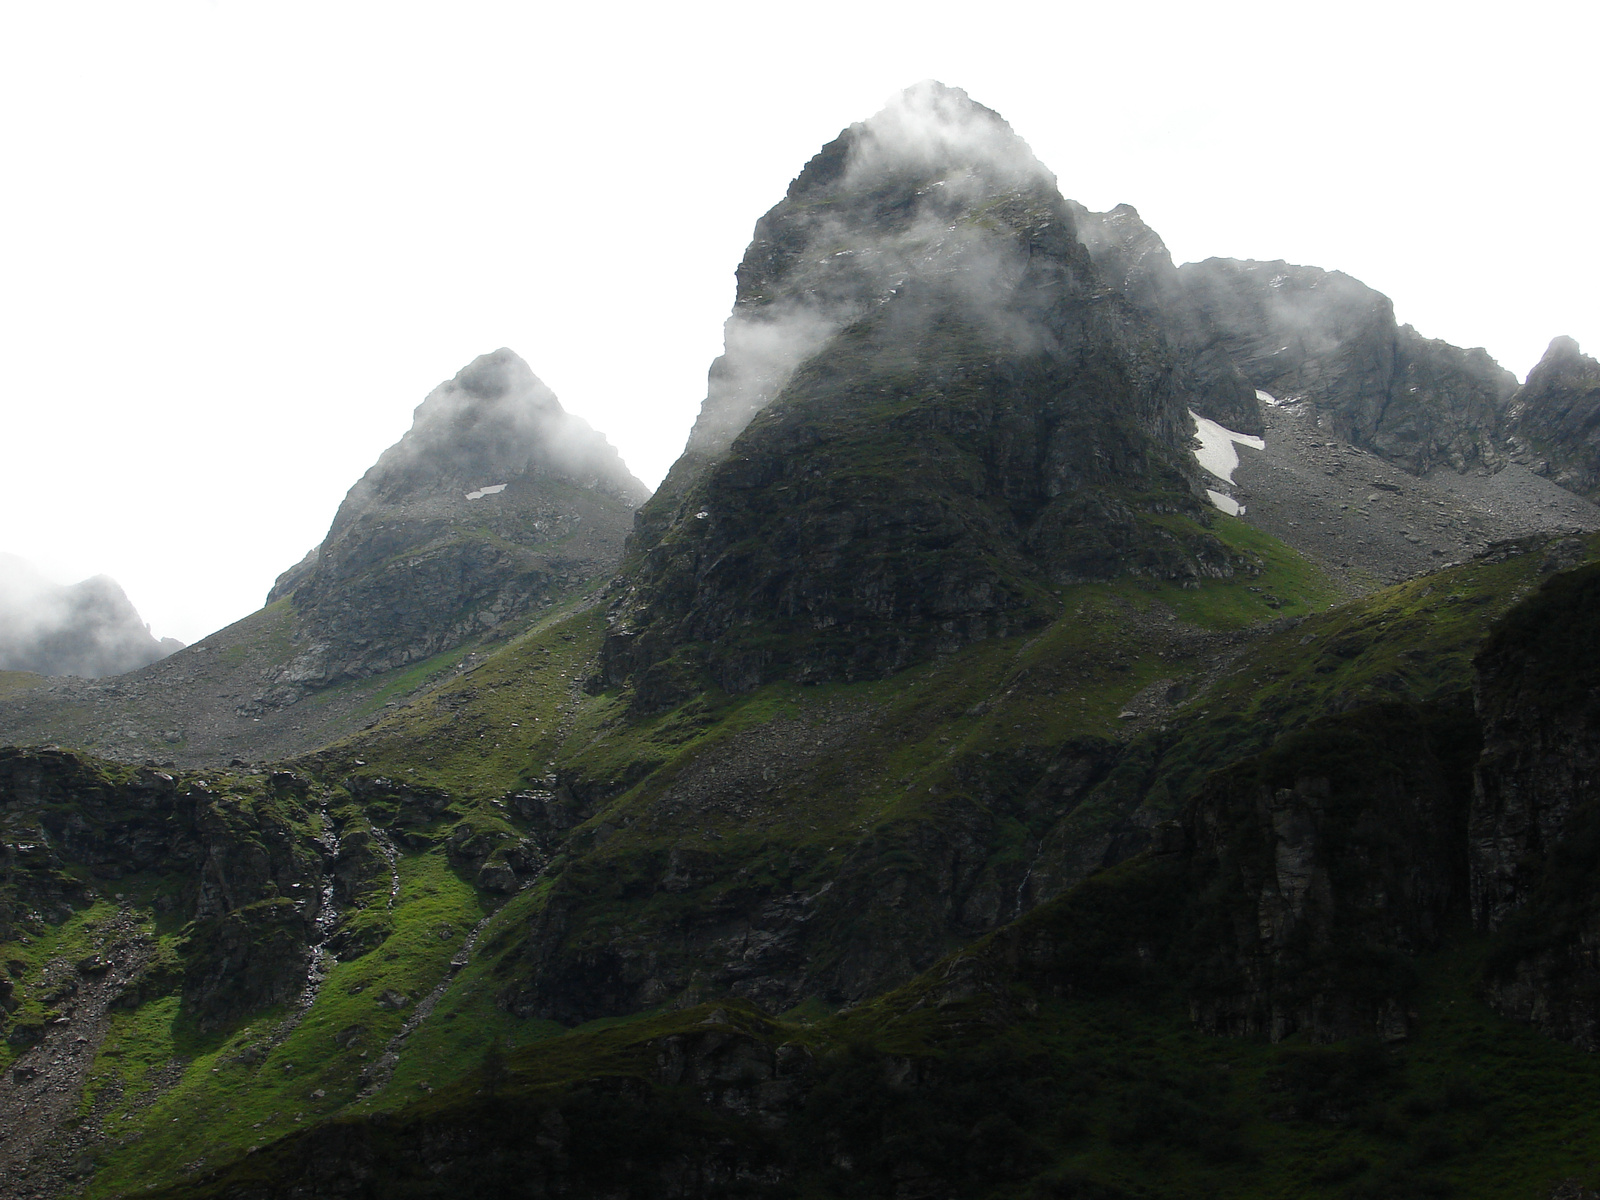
x=929, y=412
x=1331, y=861
x=1301, y=332
x=1554, y=418
x=1131, y=257
x=495, y=501
x=252, y=871
x=1535, y=832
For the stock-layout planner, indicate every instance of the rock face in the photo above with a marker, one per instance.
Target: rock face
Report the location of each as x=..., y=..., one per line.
x=265, y=875
x=1131, y=257
x=1555, y=418
x=494, y=502
x=929, y=411
x=1535, y=830
x=1302, y=332
x=1330, y=860
x=88, y=629
x=254, y=876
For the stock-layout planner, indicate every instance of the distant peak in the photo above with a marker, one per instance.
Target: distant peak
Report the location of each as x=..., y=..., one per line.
x=1562, y=347
x=1564, y=365
x=493, y=375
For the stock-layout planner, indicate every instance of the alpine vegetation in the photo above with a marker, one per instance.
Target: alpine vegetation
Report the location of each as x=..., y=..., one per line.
x=1070, y=725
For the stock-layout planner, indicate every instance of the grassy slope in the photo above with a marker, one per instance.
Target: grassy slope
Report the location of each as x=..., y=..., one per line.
x=523, y=712
x=504, y=724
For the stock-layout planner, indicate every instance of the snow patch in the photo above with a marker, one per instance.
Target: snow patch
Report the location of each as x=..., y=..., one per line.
x=1269, y=398
x=1216, y=453
x=490, y=490
x=1225, y=502
x=1218, y=457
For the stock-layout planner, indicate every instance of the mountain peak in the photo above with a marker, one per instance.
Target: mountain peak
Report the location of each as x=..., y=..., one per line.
x=1554, y=416
x=480, y=511
x=926, y=414
x=491, y=418
x=1564, y=367
x=929, y=130
x=1563, y=349
x=491, y=376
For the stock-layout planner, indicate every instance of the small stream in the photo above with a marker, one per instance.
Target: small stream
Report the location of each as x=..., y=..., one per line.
x=391, y=855
x=379, y=1074
x=1022, y=891
x=321, y=961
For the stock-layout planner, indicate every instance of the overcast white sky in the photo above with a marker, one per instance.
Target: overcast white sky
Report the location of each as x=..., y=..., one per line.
x=240, y=242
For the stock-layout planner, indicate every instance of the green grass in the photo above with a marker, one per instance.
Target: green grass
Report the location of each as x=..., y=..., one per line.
x=40, y=944
x=255, y=1084
x=970, y=731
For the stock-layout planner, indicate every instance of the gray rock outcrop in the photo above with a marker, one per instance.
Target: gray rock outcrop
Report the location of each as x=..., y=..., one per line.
x=1131, y=257
x=1305, y=333
x=1554, y=418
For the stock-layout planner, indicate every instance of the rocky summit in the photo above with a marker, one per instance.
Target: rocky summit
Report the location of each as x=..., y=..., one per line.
x=930, y=413
x=494, y=502
x=1555, y=418
x=1069, y=726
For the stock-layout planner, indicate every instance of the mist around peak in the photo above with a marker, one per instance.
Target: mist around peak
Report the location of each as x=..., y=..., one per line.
x=494, y=419
x=88, y=629
x=890, y=204
x=495, y=503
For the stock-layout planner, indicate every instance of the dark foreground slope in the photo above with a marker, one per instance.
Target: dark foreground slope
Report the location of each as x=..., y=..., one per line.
x=1287, y=993
x=393, y=916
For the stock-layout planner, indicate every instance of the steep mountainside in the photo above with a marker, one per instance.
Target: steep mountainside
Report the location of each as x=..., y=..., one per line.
x=946, y=794
x=88, y=629
x=494, y=501
x=496, y=508
x=1131, y=257
x=929, y=414
x=1535, y=832
x=1299, y=917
